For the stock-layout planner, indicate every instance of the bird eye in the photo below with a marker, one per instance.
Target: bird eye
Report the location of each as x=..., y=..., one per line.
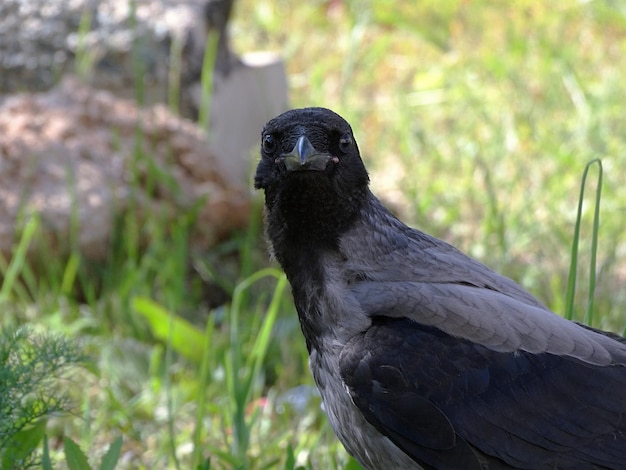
x=269, y=143
x=345, y=142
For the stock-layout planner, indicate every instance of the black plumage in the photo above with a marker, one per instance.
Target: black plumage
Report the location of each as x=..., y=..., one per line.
x=424, y=357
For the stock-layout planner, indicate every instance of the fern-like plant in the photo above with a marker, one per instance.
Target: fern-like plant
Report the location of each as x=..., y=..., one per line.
x=31, y=367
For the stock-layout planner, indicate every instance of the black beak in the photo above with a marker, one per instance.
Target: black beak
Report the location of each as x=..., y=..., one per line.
x=304, y=156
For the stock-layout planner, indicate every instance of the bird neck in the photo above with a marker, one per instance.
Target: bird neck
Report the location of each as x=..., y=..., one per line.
x=305, y=219
x=304, y=224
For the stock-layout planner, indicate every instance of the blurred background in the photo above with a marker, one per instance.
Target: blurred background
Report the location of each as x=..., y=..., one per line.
x=143, y=323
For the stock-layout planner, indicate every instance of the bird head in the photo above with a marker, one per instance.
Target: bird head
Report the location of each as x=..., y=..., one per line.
x=309, y=143
x=312, y=174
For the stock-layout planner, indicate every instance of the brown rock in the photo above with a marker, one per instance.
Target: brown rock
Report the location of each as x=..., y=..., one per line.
x=74, y=148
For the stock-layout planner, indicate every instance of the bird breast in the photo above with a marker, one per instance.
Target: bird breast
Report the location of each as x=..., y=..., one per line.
x=373, y=450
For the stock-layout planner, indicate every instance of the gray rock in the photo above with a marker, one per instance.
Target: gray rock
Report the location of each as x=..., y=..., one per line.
x=42, y=40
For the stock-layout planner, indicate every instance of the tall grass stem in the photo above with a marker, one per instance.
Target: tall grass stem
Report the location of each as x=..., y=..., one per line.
x=571, y=283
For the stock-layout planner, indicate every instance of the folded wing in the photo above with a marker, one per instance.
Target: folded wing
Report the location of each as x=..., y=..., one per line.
x=446, y=400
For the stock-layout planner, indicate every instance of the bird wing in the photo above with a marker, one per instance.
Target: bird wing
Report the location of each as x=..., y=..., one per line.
x=487, y=317
x=450, y=402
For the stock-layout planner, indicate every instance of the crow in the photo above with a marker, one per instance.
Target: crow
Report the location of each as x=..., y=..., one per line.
x=423, y=356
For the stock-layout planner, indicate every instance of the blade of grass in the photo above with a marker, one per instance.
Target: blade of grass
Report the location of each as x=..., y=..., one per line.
x=239, y=379
x=169, y=395
x=259, y=350
x=19, y=258
x=205, y=367
x=173, y=75
x=84, y=58
x=589, y=317
x=571, y=282
x=206, y=81
x=138, y=65
x=70, y=272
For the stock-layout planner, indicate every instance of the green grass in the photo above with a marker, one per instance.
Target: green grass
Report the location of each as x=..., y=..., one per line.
x=476, y=119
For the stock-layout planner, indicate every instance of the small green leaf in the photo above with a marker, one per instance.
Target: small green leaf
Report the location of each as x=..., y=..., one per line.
x=206, y=465
x=290, y=464
x=185, y=338
x=353, y=465
x=109, y=461
x=22, y=444
x=76, y=459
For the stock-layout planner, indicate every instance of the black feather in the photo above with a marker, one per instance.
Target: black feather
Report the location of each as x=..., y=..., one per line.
x=527, y=410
